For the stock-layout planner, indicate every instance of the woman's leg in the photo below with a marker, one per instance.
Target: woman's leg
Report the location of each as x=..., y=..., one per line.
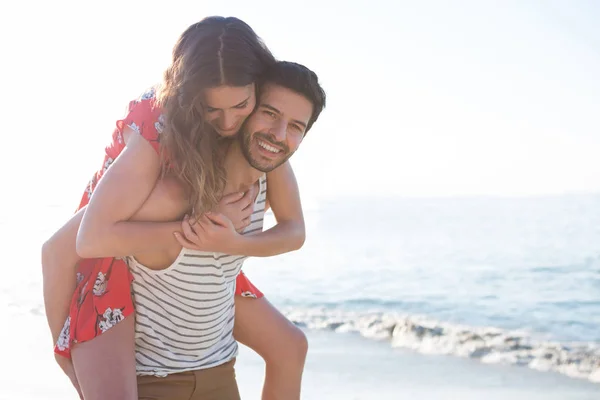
x=105, y=365
x=66, y=364
x=278, y=341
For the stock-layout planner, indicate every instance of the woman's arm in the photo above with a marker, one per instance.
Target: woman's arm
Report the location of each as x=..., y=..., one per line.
x=105, y=230
x=59, y=256
x=216, y=233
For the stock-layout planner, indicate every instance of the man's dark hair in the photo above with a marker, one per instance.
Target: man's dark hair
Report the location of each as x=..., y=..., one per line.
x=299, y=79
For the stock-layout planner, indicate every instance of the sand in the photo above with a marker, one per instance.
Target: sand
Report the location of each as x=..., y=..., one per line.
x=339, y=366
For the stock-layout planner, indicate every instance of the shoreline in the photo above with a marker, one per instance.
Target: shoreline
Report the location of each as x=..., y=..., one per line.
x=339, y=366
x=348, y=366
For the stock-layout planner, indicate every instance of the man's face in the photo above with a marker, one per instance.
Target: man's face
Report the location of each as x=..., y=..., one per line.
x=274, y=131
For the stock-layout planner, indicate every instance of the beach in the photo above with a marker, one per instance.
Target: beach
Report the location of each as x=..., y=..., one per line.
x=450, y=188
x=339, y=366
x=503, y=305
x=353, y=368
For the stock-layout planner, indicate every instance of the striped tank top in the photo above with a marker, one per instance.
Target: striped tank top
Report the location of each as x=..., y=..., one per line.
x=185, y=313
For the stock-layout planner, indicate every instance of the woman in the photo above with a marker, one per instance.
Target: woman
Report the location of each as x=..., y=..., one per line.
x=210, y=81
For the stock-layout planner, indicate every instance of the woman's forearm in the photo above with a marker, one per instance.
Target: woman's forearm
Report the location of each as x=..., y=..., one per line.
x=130, y=237
x=60, y=258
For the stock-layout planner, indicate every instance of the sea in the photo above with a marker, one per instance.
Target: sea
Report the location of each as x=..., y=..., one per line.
x=497, y=280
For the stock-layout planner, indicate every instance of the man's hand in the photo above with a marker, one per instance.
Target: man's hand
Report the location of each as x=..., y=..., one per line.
x=238, y=207
x=211, y=232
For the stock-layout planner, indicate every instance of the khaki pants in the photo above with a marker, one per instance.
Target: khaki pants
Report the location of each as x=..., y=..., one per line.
x=216, y=383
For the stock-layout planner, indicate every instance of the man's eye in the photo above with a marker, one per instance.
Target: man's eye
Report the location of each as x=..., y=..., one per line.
x=240, y=106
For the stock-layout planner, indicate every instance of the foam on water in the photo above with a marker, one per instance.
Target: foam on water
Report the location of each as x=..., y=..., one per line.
x=487, y=344
x=493, y=265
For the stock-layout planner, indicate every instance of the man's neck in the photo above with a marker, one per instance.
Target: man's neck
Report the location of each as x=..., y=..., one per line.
x=240, y=174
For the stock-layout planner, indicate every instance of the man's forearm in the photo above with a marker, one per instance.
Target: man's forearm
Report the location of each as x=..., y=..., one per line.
x=282, y=238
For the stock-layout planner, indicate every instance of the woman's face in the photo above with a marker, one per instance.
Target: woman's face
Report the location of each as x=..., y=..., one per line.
x=227, y=107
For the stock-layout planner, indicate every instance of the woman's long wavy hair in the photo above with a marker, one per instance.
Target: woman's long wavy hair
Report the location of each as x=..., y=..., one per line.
x=213, y=52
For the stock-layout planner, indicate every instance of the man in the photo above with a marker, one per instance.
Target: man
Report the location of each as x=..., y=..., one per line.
x=184, y=313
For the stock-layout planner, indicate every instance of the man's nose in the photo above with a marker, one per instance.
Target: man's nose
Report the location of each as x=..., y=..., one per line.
x=279, y=130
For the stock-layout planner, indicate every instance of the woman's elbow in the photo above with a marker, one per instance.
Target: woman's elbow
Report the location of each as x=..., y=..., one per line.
x=85, y=246
x=84, y=249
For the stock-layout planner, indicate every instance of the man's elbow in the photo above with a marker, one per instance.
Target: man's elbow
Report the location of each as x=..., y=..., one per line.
x=299, y=243
x=299, y=237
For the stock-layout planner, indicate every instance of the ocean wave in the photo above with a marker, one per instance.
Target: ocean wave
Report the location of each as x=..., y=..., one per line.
x=486, y=344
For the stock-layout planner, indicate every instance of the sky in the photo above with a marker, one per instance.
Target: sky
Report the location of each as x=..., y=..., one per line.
x=428, y=98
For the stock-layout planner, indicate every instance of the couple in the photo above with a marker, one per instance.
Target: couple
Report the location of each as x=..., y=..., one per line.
x=178, y=160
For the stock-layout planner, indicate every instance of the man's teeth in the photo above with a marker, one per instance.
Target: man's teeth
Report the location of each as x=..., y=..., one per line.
x=266, y=146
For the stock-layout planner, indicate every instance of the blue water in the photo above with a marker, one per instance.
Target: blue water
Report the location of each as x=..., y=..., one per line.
x=530, y=265
x=450, y=274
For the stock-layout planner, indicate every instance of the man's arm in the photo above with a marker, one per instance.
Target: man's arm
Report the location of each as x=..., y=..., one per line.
x=283, y=195
x=217, y=233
